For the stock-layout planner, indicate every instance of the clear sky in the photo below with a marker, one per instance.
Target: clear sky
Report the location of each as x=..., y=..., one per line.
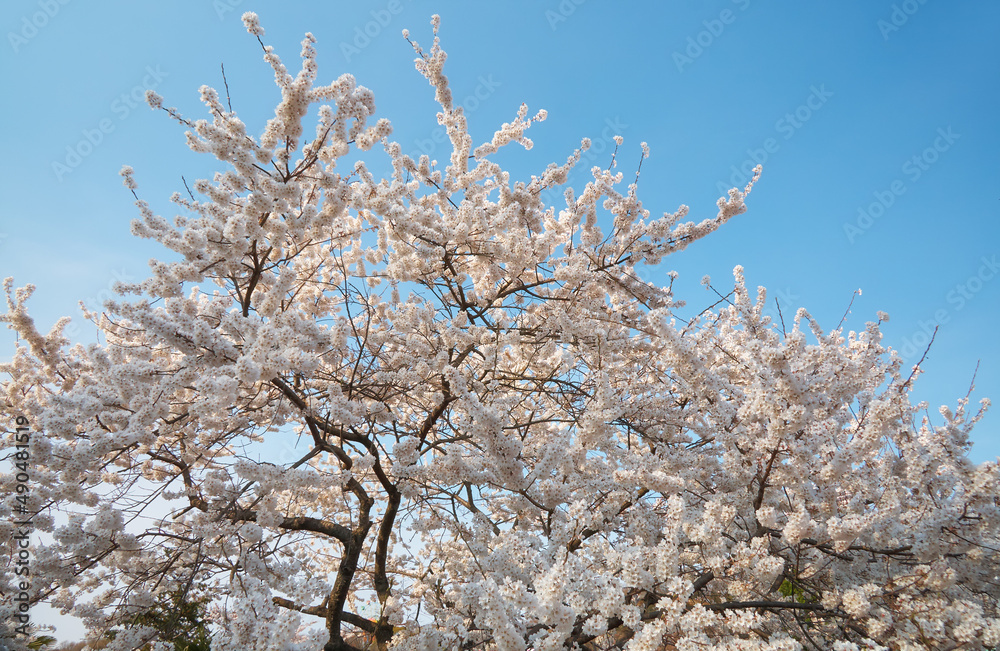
x=876, y=122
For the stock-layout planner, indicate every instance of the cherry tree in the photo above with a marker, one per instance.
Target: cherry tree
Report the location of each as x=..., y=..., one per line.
x=496, y=435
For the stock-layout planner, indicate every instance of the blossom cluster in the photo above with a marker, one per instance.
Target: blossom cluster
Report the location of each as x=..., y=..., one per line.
x=489, y=425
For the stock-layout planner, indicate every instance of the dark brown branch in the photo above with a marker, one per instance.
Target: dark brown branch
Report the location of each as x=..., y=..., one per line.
x=315, y=525
x=577, y=541
x=763, y=480
x=772, y=605
x=342, y=586
x=254, y=277
x=318, y=611
x=380, y=579
x=357, y=621
x=702, y=581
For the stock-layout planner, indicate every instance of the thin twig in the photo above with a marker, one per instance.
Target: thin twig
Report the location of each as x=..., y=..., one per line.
x=972, y=384
x=224, y=81
x=916, y=367
x=848, y=311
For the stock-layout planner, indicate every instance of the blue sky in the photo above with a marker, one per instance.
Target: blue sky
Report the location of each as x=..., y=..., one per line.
x=875, y=122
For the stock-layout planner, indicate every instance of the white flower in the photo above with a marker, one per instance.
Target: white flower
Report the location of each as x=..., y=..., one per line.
x=252, y=24
x=153, y=99
x=127, y=173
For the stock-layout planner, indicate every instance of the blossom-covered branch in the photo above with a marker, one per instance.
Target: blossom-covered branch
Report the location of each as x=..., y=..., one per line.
x=431, y=411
